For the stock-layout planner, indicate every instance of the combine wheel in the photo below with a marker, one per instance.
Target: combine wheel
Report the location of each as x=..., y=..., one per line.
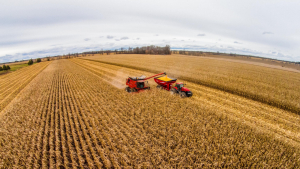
x=159, y=86
x=127, y=89
x=182, y=94
x=133, y=90
x=173, y=91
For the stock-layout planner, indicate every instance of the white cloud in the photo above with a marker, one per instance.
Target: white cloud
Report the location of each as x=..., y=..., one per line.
x=266, y=33
x=109, y=37
x=237, y=42
x=124, y=38
x=30, y=27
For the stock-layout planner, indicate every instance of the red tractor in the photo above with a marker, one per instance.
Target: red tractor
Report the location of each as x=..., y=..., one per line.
x=181, y=90
x=166, y=83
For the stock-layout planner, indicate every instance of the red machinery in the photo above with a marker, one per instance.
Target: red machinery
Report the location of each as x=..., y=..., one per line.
x=136, y=84
x=166, y=83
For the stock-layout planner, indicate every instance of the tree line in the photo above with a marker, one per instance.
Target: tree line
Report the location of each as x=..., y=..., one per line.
x=154, y=50
x=30, y=62
x=4, y=67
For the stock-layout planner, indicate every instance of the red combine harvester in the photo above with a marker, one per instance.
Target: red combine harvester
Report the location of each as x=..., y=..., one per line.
x=136, y=84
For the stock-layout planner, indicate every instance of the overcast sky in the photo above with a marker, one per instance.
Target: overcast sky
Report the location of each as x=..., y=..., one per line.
x=35, y=28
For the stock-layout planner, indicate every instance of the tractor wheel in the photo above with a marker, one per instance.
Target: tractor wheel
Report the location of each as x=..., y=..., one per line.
x=127, y=89
x=182, y=94
x=159, y=87
x=173, y=91
x=133, y=90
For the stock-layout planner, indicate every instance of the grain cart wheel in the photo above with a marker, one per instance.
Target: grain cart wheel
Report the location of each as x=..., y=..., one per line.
x=182, y=94
x=127, y=89
x=173, y=91
x=158, y=87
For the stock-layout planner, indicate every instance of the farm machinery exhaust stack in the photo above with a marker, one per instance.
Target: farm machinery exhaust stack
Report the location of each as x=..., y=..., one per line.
x=137, y=84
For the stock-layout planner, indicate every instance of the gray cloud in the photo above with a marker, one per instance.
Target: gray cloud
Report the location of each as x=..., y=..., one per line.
x=117, y=39
x=124, y=38
x=201, y=34
x=237, y=42
x=87, y=39
x=109, y=37
x=267, y=33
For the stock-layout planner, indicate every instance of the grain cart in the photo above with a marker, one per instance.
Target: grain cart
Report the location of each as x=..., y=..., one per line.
x=137, y=84
x=166, y=83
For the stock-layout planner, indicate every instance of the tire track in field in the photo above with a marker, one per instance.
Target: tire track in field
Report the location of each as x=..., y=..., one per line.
x=244, y=109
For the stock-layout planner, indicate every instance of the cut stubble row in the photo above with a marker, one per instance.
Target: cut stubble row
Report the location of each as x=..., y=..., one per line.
x=76, y=119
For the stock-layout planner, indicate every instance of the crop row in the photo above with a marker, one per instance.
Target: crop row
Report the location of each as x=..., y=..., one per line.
x=12, y=83
x=76, y=119
x=98, y=72
x=107, y=75
x=253, y=113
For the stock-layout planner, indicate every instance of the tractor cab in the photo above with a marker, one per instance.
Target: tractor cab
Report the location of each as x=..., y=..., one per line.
x=179, y=86
x=181, y=90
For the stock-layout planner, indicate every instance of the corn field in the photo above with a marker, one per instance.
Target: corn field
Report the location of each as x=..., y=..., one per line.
x=75, y=114
x=13, y=83
x=275, y=87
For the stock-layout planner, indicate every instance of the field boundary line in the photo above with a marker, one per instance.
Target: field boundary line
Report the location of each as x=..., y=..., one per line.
x=254, y=97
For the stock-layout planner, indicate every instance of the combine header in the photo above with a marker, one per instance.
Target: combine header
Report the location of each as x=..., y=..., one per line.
x=136, y=84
